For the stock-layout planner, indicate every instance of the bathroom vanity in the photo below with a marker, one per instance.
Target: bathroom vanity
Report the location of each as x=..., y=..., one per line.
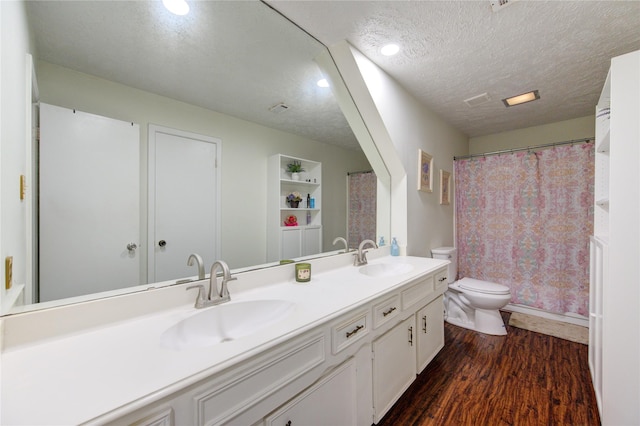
x=340, y=349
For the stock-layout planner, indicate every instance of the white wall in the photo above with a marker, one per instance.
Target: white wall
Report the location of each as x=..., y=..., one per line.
x=577, y=128
x=396, y=116
x=245, y=149
x=15, y=44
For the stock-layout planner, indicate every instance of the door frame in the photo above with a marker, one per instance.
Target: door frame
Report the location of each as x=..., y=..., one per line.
x=151, y=192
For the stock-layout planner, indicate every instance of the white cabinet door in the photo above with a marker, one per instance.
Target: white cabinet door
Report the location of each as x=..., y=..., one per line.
x=312, y=240
x=184, y=211
x=430, y=332
x=291, y=243
x=394, y=365
x=331, y=401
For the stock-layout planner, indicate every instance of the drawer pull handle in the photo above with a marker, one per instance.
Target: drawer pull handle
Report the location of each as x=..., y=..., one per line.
x=424, y=323
x=354, y=331
x=385, y=313
x=442, y=279
x=411, y=336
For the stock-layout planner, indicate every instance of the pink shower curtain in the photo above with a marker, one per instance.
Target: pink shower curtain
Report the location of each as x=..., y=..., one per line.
x=524, y=220
x=362, y=207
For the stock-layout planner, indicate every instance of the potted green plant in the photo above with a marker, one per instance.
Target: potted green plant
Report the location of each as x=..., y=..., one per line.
x=294, y=169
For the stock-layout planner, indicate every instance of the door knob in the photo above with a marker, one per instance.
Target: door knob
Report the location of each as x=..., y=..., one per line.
x=162, y=243
x=132, y=246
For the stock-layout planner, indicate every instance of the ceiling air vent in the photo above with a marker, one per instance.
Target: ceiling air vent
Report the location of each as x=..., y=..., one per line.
x=497, y=5
x=278, y=108
x=478, y=100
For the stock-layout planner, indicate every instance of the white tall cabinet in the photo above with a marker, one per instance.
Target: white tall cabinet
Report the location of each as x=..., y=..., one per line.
x=614, y=344
x=288, y=242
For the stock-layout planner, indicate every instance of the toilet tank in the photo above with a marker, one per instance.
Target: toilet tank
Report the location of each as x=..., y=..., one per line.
x=448, y=253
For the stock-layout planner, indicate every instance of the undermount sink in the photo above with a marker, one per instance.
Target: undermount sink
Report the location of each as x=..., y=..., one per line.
x=224, y=323
x=385, y=269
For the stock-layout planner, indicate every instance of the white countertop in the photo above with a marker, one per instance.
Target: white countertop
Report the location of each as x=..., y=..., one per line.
x=118, y=367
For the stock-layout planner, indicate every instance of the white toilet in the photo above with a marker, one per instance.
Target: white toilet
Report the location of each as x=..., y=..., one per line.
x=472, y=303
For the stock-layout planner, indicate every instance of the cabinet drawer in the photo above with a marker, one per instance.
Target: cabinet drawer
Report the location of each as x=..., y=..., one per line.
x=441, y=281
x=350, y=331
x=242, y=387
x=417, y=292
x=386, y=310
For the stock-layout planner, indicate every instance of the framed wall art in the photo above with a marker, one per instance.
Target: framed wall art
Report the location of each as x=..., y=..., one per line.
x=445, y=187
x=425, y=171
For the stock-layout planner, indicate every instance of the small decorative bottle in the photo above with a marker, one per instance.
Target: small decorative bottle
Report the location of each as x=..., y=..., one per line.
x=381, y=242
x=395, y=250
x=308, y=217
x=308, y=201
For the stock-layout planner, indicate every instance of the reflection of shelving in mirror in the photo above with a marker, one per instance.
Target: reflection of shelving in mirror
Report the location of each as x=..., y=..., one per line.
x=284, y=240
x=603, y=112
x=602, y=145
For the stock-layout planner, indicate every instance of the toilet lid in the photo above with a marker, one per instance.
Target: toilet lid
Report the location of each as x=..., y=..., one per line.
x=483, y=286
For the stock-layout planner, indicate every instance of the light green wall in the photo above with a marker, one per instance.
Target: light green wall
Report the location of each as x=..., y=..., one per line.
x=246, y=147
x=400, y=125
x=577, y=128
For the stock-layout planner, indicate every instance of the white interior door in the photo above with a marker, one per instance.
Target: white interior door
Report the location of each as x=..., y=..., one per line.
x=183, y=202
x=89, y=203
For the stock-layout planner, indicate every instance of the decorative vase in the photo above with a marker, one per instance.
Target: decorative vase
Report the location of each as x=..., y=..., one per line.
x=295, y=176
x=294, y=204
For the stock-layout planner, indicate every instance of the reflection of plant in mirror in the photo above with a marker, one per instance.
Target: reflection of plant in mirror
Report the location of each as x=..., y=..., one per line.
x=295, y=167
x=294, y=196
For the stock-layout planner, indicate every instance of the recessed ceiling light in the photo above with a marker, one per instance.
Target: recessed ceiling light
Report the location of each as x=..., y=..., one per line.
x=390, y=49
x=177, y=7
x=323, y=82
x=521, y=99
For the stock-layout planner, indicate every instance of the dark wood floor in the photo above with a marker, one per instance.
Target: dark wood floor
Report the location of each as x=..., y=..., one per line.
x=524, y=378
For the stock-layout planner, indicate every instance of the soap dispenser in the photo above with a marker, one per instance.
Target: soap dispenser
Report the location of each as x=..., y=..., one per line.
x=395, y=250
x=381, y=242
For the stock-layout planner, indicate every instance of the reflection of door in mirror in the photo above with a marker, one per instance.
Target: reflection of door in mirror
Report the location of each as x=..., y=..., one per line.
x=183, y=201
x=89, y=216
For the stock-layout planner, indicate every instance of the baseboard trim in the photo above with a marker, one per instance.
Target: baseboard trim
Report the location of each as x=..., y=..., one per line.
x=568, y=318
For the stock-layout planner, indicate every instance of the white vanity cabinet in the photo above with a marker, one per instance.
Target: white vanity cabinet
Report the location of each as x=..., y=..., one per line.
x=406, y=349
x=348, y=370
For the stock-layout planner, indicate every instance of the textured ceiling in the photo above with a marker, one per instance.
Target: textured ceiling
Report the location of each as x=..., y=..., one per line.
x=240, y=58
x=455, y=50
x=235, y=57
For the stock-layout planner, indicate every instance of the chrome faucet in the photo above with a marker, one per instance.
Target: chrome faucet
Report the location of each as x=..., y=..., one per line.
x=215, y=297
x=361, y=255
x=346, y=245
x=198, y=259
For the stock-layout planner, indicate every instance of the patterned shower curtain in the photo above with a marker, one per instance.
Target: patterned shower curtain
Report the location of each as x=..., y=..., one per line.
x=524, y=220
x=362, y=207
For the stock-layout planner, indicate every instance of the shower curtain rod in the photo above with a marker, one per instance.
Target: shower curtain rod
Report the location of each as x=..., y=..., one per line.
x=359, y=173
x=529, y=148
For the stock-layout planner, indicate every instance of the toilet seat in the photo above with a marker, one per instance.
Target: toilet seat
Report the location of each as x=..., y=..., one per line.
x=479, y=286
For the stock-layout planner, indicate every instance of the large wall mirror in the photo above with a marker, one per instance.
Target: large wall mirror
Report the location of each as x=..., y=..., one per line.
x=217, y=72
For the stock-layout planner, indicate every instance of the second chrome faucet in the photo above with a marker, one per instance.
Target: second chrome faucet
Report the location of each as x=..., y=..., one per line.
x=215, y=296
x=360, y=258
